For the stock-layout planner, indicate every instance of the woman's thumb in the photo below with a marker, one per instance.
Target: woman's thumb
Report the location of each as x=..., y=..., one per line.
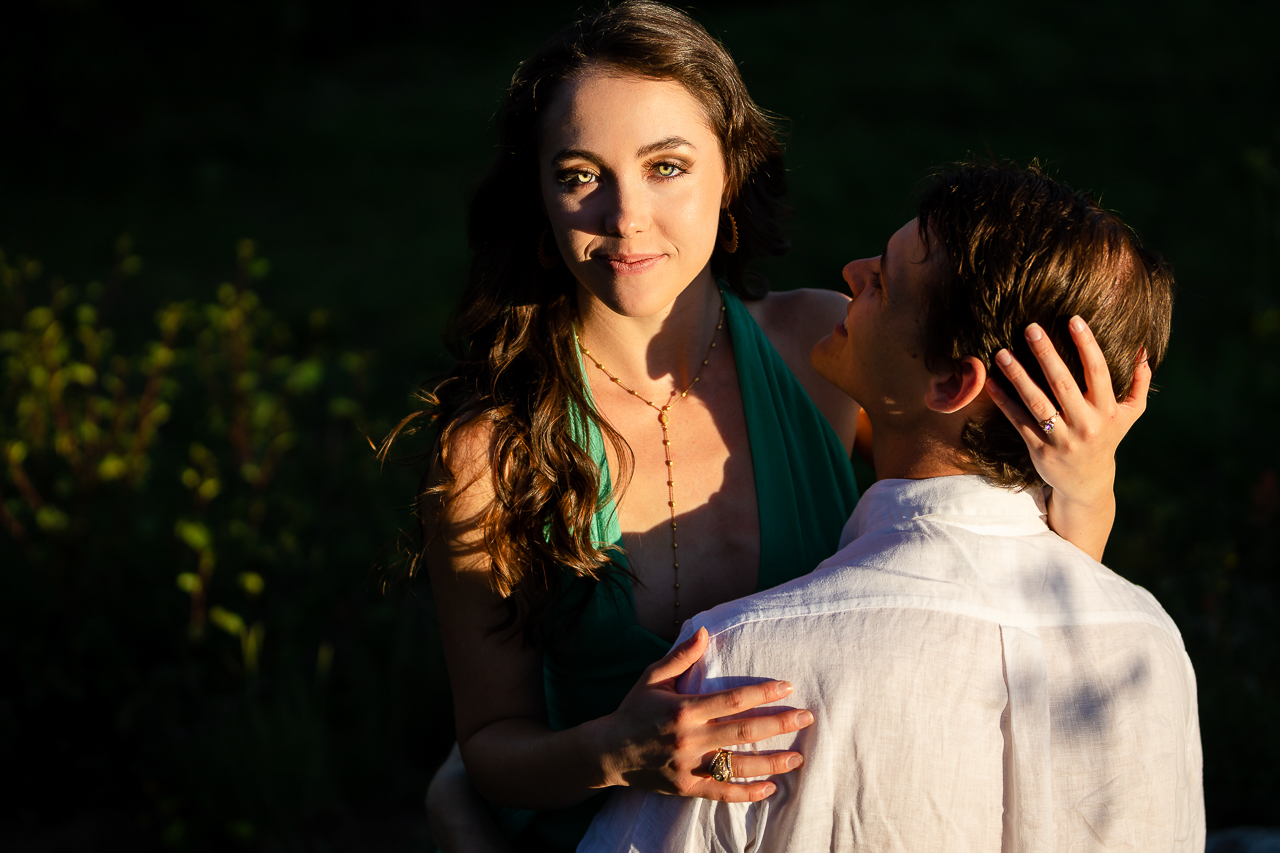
x=680, y=658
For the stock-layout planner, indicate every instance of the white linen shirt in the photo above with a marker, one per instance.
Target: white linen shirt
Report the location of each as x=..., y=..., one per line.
x=977, y=683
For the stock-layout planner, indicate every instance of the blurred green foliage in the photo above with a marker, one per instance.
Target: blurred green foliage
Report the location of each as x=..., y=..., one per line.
x=193, y=647
x=192, y=630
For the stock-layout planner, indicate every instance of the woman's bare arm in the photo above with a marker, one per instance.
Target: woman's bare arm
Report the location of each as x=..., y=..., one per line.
x=658, y=739
x=794, y=321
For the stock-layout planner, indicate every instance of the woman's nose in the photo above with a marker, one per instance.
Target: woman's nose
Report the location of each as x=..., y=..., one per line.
x=628, y=213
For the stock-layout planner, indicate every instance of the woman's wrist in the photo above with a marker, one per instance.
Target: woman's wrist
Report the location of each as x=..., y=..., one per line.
x=522, y=764
x=1084, y=517
x=602, y=757
x=1086, y=494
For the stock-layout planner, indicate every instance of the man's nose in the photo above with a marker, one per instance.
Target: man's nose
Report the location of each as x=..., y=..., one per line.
x=628, y=211
x=855, y=274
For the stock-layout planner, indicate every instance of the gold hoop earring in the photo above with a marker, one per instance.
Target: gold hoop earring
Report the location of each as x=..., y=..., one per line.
x=731, y=244
x=548, y=262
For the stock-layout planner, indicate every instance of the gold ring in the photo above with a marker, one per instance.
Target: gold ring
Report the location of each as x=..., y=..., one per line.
x=1049, y=423
x=722, y=766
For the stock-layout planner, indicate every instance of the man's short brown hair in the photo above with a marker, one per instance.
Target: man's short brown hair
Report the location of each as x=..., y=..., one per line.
x=1012, y=246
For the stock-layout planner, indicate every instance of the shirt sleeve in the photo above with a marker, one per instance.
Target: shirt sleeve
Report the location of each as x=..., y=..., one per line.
x=1195, y=836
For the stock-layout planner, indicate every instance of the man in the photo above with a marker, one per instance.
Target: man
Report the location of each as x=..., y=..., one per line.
x=978, y=683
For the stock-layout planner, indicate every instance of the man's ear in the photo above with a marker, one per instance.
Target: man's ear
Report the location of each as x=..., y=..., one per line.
x=950, y=392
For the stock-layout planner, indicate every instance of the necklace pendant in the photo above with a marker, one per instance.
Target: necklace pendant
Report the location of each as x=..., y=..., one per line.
x=664, y=420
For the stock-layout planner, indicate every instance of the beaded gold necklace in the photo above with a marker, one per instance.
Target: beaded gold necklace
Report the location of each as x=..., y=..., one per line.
x=663, y=420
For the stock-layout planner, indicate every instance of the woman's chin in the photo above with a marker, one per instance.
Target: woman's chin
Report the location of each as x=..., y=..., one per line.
x=636, y=296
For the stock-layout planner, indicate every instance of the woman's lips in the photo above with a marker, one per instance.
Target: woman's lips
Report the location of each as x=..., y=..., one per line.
x=630, y=264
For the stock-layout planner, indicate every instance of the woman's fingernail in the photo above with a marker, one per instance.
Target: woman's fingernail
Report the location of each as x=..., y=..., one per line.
x=1077, y=325
x=803, y=718
x=1003, y=358
x=785, y=688
x=794, y=761
x=1034, y=333
x=769, y=789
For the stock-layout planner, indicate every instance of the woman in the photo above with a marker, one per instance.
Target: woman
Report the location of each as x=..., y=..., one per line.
x=635, y=433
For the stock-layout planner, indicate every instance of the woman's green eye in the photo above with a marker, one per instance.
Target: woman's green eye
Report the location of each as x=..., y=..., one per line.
x=582, y=177
x=667, y=170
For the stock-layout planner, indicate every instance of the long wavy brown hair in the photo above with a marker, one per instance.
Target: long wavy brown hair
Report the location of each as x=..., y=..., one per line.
x=517, y=367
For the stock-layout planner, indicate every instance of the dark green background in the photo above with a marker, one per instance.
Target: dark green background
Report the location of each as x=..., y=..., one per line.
x=345, y=138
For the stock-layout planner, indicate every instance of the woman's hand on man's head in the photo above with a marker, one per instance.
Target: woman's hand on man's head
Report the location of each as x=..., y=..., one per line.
x=1074, y=448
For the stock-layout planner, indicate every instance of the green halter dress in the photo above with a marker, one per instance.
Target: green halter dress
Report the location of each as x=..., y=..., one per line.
x=805, y=490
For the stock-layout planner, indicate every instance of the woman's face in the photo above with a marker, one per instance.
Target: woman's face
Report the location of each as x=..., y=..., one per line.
x=632, y=178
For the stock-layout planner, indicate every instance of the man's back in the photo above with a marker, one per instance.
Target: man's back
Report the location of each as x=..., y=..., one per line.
x=977, y=683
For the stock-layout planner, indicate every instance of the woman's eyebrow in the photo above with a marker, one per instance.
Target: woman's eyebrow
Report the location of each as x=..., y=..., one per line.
x=661, y=145
x=666, y=145
x=575, y=154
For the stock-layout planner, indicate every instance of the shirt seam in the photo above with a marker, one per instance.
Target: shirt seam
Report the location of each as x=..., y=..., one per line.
x=992, y=615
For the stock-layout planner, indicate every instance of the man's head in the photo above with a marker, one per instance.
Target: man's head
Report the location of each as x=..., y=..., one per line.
x=993, y=249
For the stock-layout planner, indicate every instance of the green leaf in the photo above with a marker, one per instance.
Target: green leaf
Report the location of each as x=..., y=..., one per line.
x=305, y=376
x=190, y=582
x=195, y=534
x=112, y=467
x=51, y=518
x=251, y=582
x=226, y=620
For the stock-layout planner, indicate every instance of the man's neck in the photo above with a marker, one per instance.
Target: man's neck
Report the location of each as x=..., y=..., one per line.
x=918, y=454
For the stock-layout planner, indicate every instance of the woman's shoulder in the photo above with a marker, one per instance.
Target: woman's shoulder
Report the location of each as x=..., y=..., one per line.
x=461, y=469
x=795, y=320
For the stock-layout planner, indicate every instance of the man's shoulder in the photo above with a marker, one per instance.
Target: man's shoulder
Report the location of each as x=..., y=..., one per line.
x=1117, y=599
x=1026, y=581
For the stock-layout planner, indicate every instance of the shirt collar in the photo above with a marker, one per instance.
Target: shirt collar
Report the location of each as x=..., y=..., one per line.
x=964, y=500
